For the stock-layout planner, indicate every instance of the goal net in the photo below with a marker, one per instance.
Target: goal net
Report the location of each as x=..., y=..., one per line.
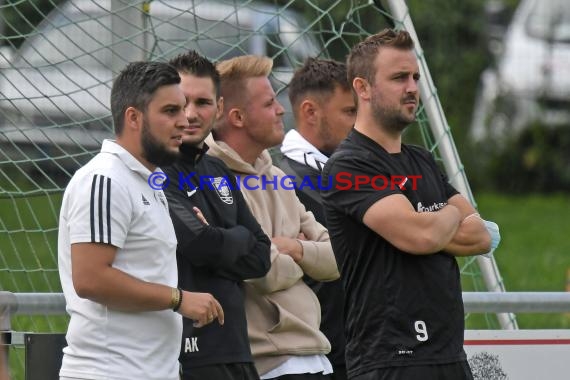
x=57, y=62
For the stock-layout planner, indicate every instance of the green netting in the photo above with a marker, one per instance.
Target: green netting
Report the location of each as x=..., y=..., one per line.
x=57, y=61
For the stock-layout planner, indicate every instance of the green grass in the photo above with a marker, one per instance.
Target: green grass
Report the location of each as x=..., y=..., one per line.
x=28, y=260
x=28, y=243
x=534, y=254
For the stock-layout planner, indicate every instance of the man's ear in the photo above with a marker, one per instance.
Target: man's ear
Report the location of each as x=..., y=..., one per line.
x=309, y=110
x=362, y=88
x=133, y=119
x=236, y=117
x=219, y=107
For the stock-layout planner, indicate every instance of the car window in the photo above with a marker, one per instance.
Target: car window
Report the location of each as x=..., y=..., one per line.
x=84, y=36
x=217, y=39
x=227, y=33
x=550, y=20
x=67, y=36
x=286, y=44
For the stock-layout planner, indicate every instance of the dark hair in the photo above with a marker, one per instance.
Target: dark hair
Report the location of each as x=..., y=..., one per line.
x=361, y=59
x=319, y=76
x=135, y=86
x=193, y=63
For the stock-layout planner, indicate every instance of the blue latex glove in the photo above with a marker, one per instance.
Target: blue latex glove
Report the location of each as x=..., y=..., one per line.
x=493, y=230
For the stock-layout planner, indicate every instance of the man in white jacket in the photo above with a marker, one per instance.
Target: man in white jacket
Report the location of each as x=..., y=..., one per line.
x=283, y=313
x=325, y=110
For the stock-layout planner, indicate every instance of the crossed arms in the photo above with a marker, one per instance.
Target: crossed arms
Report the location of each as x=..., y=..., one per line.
x=448, y=229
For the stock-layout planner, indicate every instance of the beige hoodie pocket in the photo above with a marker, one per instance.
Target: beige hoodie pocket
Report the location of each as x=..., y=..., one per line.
x=297, y=330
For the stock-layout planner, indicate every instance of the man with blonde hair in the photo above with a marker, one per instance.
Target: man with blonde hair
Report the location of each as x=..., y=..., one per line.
x=283, y=313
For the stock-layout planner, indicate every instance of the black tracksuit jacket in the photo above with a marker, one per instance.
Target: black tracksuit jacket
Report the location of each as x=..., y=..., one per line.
x=214, y=258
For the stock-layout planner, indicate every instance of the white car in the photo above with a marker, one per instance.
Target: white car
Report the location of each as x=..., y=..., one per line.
x=530, y=82
x=55, y=91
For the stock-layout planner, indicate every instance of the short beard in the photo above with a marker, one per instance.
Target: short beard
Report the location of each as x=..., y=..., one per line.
x=391, y=119
x=153, y=151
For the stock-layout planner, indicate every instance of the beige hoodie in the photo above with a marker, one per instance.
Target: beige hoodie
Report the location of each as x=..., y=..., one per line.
x=283, y=313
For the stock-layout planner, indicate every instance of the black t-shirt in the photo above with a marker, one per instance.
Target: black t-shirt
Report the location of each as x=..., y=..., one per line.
x=401, y=309
x=215, y=258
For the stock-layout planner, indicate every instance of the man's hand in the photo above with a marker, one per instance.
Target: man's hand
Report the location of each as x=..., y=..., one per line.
x=289, y=246
x=200, y=216
x=203, y=308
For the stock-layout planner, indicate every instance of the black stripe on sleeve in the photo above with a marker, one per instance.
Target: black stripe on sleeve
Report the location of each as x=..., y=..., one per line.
x=92, y=208
x=305, y=159
x=109, y=210
x=319, y=165
x=101, y=182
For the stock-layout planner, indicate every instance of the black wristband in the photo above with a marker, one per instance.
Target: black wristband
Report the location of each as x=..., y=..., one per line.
x=175, y=308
